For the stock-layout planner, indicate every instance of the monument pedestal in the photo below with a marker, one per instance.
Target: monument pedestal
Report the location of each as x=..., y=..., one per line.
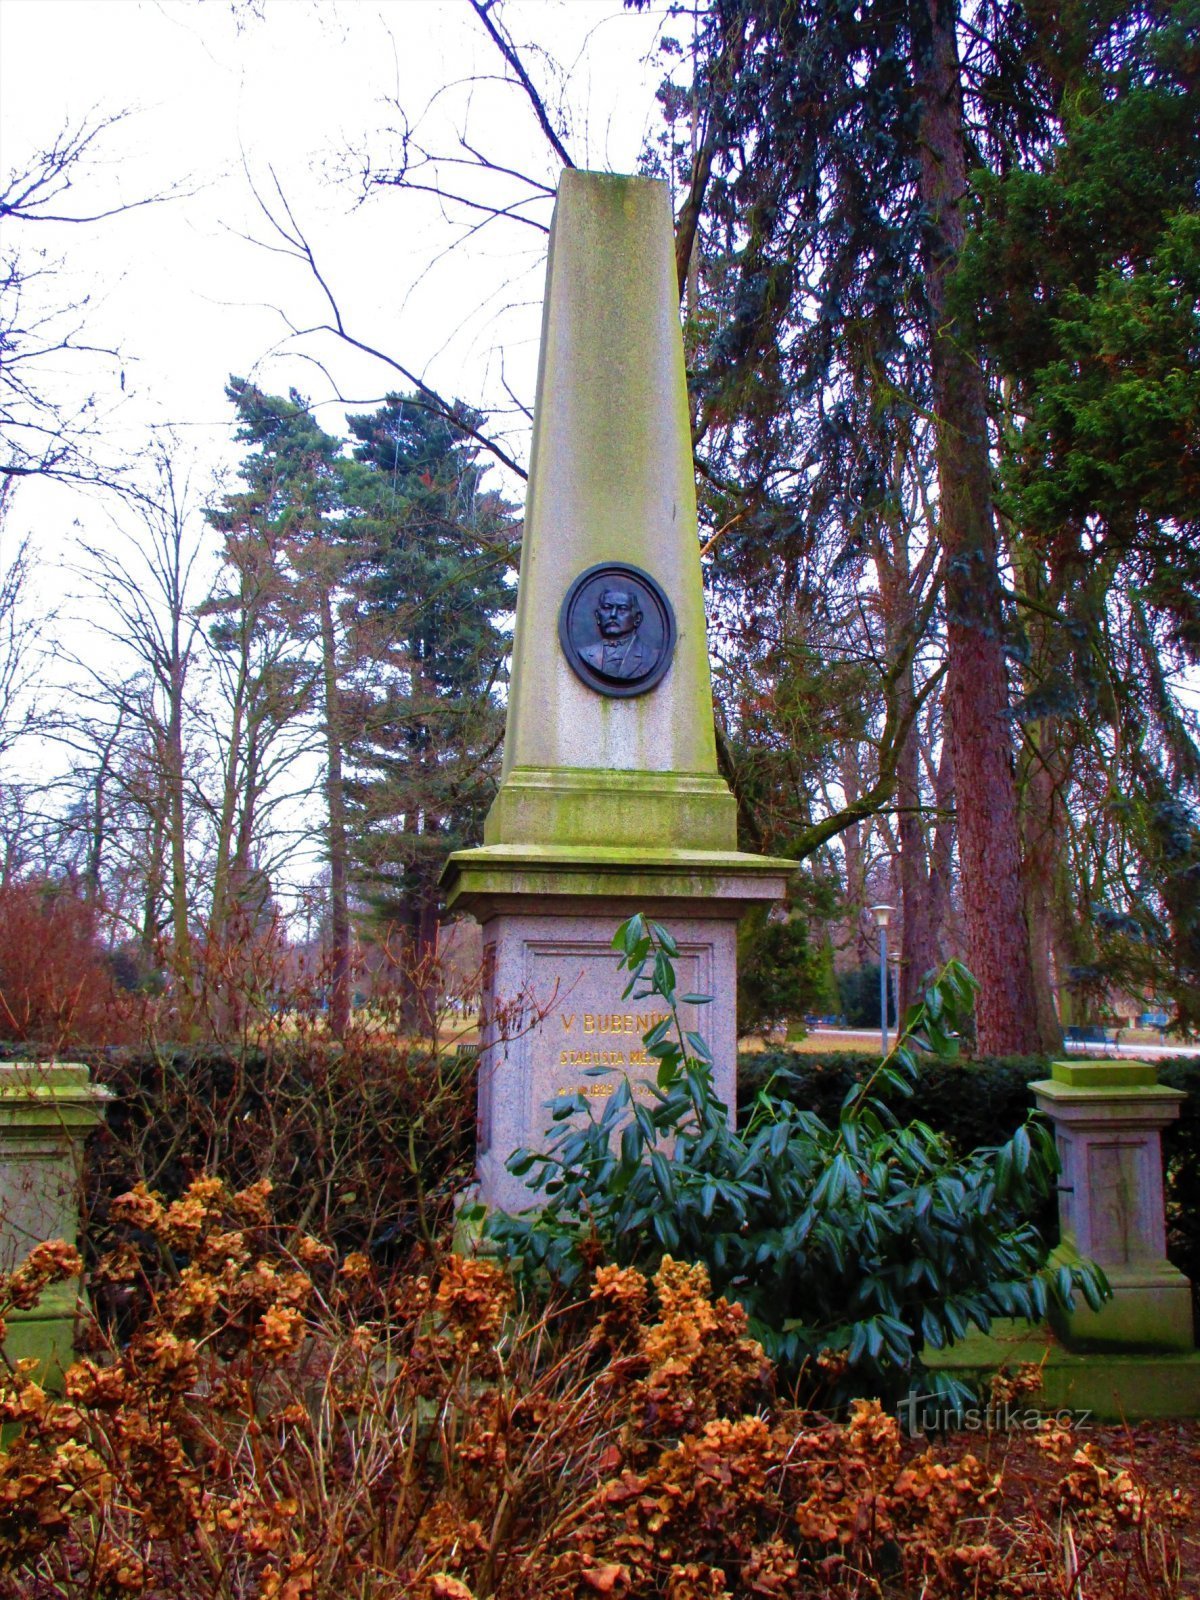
x=47, y=1111
x=553, y=1011
x=1133, y=1358
x=1108, y=1118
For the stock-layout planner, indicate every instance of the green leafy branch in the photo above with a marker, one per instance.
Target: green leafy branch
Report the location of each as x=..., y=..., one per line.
x=863, y=1243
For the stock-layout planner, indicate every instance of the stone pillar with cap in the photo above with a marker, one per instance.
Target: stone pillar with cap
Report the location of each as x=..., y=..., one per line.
x=1108, y=1119
x=47, y=1111
x=610, y=800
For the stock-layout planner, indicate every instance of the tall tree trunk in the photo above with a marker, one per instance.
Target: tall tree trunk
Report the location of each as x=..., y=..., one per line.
x=98, y=830
x=1044, y=828
x=918, y=936
x=977, y=687
x=854, y=848
x=941, y=858
x=230, y=784
x=153, y=890
x=1042, y=772
x=918, y=942
x=420, y=975
x=339, y=905
x=180, y=921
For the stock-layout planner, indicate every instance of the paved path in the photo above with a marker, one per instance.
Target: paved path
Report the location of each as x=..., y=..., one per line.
x=1144, y=1052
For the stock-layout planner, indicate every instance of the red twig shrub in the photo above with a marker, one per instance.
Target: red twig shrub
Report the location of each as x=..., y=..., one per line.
x=56, y=989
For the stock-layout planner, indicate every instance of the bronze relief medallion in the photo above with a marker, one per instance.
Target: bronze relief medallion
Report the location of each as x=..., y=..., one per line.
x=617, y=629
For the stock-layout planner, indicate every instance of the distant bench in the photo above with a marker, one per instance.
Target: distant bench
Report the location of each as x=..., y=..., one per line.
x=1092, y=1033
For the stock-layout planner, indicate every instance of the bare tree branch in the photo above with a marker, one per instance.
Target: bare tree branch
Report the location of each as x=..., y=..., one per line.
x=296, y=244
x=483, y=10
x=42, y=435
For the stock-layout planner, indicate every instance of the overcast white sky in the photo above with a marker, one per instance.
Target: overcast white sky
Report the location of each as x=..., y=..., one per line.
x=227, y=98
x=222, y=95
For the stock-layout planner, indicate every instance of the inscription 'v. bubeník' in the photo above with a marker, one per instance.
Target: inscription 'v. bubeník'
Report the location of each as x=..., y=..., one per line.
x=614, y=1021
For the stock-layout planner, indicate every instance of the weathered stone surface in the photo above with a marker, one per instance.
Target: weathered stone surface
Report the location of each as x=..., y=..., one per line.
x=1106, y=1384
x=46, y=1114
x=556, y=1015
x=1108, y=1118
x=610, y=801
x=611, y=479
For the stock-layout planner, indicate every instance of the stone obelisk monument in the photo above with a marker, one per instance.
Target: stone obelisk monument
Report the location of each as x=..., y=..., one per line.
x=610, y=801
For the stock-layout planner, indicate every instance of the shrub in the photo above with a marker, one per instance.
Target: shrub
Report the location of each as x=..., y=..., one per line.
x=275, y=1429
x=854, y=1243
x=1181, y=1153
x=366, y=1142
x=779, y=973
x=858, y=997
x=976, y=1102
x=970, y=1102
x=56, y=987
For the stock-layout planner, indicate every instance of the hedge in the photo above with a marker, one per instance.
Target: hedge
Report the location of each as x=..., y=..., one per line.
x=370, y=1145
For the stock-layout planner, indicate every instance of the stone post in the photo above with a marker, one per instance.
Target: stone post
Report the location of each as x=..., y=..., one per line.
x=46, y=1114
x=1108, y=1118
x=610, y=800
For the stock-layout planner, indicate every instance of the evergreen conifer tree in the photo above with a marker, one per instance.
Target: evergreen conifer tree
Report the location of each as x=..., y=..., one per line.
x=433, y=555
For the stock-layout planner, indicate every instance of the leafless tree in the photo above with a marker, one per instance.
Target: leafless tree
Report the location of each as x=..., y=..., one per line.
x=57, y=385
x=135, y=722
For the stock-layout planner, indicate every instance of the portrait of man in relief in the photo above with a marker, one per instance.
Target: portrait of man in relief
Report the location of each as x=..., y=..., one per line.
x=620, y=652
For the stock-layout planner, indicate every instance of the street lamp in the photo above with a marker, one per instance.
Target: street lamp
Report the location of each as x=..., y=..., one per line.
x=882, y=915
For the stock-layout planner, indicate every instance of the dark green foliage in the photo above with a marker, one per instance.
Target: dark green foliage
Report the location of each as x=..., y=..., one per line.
x=1181, y=1150
x=780, y=974
x=977, y=1102
x=970, y=1103
x=1086, y=274
x=1082, y=270
x=859, y=1236
x=809, y=342
x=431, y=580
x=281, y=561
x=858, y=997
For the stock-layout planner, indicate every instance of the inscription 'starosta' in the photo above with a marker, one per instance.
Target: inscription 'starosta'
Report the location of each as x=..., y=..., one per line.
x=604, y=1058
x=610, y=1022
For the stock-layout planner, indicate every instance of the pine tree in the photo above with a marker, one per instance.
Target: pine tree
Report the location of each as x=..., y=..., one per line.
x=844, y=156
x=288, y=555
x=1085, y=269
x=433, y=555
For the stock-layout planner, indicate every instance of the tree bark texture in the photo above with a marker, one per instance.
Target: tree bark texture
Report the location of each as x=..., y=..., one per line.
x=1045, y=823
x=180, y=909
x=977, y=686
x=339, y=906
x=918, y=944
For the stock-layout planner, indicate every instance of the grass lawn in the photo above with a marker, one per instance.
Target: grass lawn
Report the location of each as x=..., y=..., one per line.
x=819, y=1041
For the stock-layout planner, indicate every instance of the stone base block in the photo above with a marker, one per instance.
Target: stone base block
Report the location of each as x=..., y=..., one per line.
x=1151, y=1309
x=556, y=1023
x=1111, y=1387
x=47, y=1110
x=45, y=1334
x=555, y=1020
x=589, y=808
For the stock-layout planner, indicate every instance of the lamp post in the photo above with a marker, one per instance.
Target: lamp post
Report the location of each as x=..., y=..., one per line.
x=882, y=916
